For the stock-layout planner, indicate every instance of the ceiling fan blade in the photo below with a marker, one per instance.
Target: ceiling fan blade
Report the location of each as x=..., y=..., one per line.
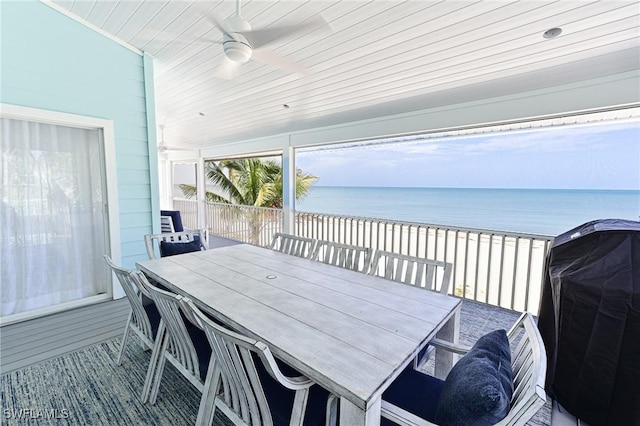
x=270, y=57
x=227, y=69
x=218, y=23
x=163, y=147
x=265, y=36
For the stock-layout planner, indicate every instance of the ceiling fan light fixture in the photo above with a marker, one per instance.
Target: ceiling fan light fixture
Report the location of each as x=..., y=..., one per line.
x=235, y=44
x=236, y=50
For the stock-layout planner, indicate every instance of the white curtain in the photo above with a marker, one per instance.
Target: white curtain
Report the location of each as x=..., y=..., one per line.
x=52, y=227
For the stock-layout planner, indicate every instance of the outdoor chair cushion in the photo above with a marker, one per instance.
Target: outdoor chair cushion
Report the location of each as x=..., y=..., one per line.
x=171, y=249
x=280, y=399
x=202, y=347
x=154, y=317
x=415, y=392
x=479, y=387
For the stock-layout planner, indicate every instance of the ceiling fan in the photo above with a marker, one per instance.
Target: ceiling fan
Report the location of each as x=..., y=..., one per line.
x=163, y=147
x=241, y=42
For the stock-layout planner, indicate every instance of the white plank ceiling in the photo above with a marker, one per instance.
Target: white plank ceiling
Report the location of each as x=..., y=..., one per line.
x=378, y=57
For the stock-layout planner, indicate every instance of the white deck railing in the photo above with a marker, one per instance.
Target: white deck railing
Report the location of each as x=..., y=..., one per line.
x=253, y=225
x=498, y=268
x=188, y=212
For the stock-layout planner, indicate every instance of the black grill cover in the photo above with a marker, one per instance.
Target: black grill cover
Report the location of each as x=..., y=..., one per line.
x=590, y=322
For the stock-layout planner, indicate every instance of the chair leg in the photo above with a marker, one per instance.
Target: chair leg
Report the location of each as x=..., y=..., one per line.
x=125, y=337
x=209, y=394
x=151, y=370
x=162, y=360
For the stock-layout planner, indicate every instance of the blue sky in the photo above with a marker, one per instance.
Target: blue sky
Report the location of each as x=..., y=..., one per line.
x=567, y=157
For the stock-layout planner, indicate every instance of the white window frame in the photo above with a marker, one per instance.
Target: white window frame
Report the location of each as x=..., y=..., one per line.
x=114, y=291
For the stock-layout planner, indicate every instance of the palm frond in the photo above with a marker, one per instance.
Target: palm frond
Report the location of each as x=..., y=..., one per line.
x=189, y=191
x=252, y=181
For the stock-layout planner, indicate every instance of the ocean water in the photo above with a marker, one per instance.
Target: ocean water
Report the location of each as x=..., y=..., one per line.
x=539, y=211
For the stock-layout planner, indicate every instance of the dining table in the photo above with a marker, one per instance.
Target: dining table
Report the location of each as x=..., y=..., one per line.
x=350, y=332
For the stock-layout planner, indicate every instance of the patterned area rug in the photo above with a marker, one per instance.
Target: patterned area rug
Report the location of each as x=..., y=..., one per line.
x=88, y=388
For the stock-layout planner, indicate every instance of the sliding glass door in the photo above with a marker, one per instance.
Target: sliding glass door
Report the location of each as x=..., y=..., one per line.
x=53, y=225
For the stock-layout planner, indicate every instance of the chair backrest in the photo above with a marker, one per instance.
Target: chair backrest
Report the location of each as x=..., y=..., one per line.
x=424, y=273
x=152, y=241
x=343, y=255
x=139, y=319
x=176, y=219
x=237, y=372
x=294, y=245
x=177, y=345
x=166, y=224
x=529, y=364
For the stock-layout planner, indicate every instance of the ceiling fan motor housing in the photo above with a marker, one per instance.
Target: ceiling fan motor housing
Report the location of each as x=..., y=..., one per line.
x=235, y=44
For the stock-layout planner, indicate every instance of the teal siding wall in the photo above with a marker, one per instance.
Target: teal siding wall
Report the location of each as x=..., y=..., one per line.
x=49, y=61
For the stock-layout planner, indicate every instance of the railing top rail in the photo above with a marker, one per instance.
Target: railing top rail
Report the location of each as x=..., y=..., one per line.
x=236, y=206
x=435, y=226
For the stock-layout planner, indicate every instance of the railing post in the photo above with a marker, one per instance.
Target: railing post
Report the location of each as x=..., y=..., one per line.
x=201, y=196
x=288, y=189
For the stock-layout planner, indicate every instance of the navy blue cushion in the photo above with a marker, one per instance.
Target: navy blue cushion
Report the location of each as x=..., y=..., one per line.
x=479, y=387
x=280, y=399
x=171, y=249
x=202, y=347
x=415, y=392
x=175, y=217
x=154, y=316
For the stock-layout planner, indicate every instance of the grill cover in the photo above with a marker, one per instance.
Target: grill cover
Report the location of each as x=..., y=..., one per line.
x=590, y=321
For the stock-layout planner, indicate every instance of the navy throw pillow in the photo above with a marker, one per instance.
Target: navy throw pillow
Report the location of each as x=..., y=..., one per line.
x=171, y=249
x=478, y=389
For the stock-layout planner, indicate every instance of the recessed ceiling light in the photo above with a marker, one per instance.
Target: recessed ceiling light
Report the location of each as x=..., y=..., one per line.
x=552, y=33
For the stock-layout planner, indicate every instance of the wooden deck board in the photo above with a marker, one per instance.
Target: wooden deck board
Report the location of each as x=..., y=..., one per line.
x=38, y=339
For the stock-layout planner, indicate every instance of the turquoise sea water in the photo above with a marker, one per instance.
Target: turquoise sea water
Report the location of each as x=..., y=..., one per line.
x=539, y=211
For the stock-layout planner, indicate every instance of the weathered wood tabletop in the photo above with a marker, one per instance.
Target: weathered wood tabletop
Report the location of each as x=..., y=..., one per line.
x=350, y=332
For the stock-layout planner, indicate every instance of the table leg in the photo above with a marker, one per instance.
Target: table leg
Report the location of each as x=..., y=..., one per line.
x=350, y=414
x=451, y=333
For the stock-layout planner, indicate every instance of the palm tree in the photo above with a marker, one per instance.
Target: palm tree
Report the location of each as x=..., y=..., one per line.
x=249, y=182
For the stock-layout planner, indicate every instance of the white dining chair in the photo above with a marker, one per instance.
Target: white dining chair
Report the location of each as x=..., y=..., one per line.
x=144, y=318
x=154, y=243
x=415, y=397
x=247, y=383
x=166, y=224
x=423, y=273
x=181, y=343
x=428, y=274
x=294, y=245
x=343, y=255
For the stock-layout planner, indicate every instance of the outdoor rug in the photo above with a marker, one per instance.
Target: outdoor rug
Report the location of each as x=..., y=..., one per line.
x=88, y=388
